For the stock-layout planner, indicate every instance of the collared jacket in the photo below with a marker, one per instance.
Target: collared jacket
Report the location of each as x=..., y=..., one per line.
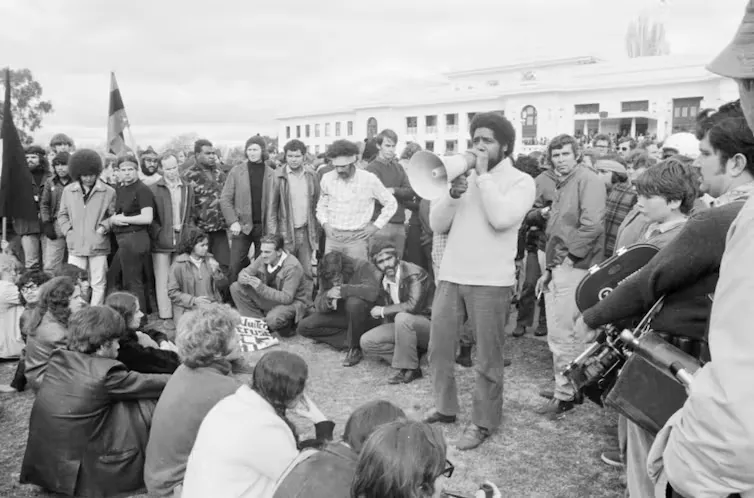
x=187, y=282
x=290, y=286
x=576, y=228
x=49, y=204
x=415, y=292
x=208, y=186
x=89, y=426
x=164, y=237
x=40, y=343
x=28, y=227
x=235, y=200
x=78, y=220
x=280, y=210
x=363, y=283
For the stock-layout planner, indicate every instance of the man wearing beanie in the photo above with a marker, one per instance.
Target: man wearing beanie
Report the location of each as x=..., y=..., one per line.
x=49, y=205
x=30, y=231
x=149, y=166
x=244, y=203
x=482, y=213
x=85, y=208
x=208, y=180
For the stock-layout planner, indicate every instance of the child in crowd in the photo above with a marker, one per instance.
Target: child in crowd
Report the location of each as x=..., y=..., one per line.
x=11, y=309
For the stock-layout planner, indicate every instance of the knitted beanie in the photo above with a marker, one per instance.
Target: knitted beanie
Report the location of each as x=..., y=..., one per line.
x=84, y=162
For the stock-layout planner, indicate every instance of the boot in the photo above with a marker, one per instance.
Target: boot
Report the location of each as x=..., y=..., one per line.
x=464, y=357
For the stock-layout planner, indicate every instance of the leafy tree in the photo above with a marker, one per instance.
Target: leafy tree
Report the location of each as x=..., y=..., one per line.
x=646, y=38
x=184, y=142
x=26, y=103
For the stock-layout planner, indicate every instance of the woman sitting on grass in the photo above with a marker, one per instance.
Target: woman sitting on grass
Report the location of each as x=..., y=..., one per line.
x=149, y=352
x=58, y=298
x=246, y=441
x=90, y=420
x=405, y=459
x=195, y=278
x=208, y=346
x=328, y=473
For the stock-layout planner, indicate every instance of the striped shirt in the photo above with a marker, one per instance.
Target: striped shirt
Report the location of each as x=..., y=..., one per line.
x=349, y=204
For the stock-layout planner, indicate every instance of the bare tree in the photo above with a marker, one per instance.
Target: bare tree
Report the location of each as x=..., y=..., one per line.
x=646, y=38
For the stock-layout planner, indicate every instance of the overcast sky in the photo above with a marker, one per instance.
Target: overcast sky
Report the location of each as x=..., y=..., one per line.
x=225, y=69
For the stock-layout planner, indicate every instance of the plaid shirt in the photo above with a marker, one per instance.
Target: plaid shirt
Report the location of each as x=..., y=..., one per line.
x=349, y=204
x=439, y=241
x=620, y=200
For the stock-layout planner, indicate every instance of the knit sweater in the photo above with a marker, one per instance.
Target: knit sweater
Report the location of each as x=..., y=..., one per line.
x=483, y=225
x=685, y=272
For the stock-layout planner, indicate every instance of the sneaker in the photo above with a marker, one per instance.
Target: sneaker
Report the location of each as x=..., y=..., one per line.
x=612, y=458
x=555, y=408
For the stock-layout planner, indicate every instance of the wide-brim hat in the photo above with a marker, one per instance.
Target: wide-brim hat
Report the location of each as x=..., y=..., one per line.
x=737, y=59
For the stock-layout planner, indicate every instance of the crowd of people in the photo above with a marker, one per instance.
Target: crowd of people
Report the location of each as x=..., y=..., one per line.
x=346, y=253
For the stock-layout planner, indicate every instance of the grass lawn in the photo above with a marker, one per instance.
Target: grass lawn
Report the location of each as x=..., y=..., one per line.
x=529, y=456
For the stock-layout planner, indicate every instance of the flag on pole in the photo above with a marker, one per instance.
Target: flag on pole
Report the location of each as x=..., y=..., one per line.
x=16, y=183
x=117, y=121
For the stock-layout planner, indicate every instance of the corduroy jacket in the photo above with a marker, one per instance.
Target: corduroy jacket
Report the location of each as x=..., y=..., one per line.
x=164, y=237
x=281, y=207
x=78, y=220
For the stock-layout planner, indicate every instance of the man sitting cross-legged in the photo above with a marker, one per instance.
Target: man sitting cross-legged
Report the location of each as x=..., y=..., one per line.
x=348, y=289
x=273, y=287
x=404, y=307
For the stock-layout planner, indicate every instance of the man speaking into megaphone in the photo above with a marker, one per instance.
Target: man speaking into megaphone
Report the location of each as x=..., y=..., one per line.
x=481, y=210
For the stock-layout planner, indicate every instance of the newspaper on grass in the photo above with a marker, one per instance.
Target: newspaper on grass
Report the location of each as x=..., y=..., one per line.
x=254, y=335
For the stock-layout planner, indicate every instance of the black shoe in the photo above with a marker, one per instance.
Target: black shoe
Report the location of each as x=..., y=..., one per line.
x=519, y=331
x=353, y=357
x=435, y=417
x=406, y=376
x=507, y=362
x=555, y=408
x=464, y=357
x=541, y=330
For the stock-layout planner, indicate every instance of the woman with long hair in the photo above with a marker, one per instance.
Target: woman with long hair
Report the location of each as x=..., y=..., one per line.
x=247, y=441
x=195, y=278
x=149, y=352
x=90, y=421
x=404, y=459
x=46, y=329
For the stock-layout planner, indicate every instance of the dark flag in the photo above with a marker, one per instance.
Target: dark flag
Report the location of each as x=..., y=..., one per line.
x=117, y=121
x=16, y=183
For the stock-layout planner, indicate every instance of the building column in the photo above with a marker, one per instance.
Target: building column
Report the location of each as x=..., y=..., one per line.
x=633, y=127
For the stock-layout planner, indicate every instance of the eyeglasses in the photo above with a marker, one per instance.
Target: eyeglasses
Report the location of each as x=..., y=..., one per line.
x=449, y=468
x=623, y=149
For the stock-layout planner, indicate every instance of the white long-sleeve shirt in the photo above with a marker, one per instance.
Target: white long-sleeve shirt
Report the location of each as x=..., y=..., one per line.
x=710, y=448
x=349, y=204
x=483, y=226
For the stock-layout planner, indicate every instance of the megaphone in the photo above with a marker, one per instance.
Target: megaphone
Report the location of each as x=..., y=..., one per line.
x=430, y=174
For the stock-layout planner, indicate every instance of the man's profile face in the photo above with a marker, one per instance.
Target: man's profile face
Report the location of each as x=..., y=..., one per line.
x=345, y=166
x=207, y=156
x=484, y=140
x=387, y=149
x=32, y=160
x=269, y=254
x=711, y=169
x=563, y=159
x=294, y=159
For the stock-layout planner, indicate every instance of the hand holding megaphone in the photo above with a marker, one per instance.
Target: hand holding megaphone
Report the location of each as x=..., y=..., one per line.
x=430, y=175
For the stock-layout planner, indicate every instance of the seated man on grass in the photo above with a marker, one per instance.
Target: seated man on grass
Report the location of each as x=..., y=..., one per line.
x=273, y=287
x=404, y=306
x=348, y=290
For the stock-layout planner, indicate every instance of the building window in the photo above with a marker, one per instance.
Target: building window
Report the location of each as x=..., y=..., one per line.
x=298, y=131
x=316, y=130
x=470, y=116
x=431, y=124
x=451, y=123
x=371, y=128
x=327, y=129
x=287, y=132
x=429, y=145
x=635, y=106
x=684, y=113
x=529, y=123
x=586, y=109
x=412, y=125
x=316, y=149
x=349, y=128
x=337, y=129
x=308, y=130
x=469, y=143
x=451, y=146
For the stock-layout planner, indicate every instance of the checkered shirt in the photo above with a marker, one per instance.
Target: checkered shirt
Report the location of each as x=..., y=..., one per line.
x=439, y=241
x=349, y=204
x=620, y=200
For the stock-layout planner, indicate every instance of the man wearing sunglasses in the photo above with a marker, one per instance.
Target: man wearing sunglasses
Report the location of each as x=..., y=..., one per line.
x=625, y=146
x=346, y=202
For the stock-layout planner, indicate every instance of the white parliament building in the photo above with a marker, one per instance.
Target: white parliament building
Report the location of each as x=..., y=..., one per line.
x=581, y=95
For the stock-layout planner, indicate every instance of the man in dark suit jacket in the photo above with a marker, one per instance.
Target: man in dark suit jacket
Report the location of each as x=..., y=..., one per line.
x=404, y=307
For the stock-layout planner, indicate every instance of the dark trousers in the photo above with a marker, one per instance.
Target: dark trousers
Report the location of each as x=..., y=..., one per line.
x=239, y=250
x=527, y=301
x=134, y=261
x=342, y=328
x=218, y=246
x=415, y=252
